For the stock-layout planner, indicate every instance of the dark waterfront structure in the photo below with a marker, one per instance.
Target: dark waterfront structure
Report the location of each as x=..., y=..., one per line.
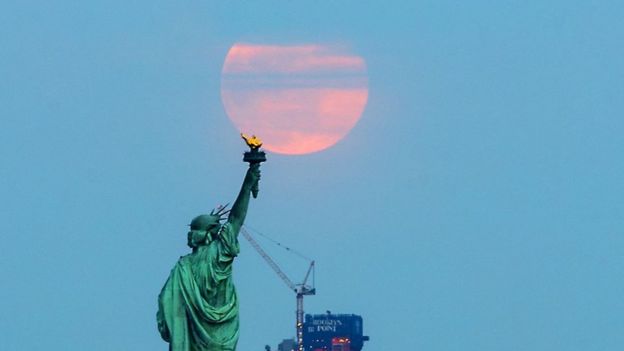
x=333, y=332
x=287, y=345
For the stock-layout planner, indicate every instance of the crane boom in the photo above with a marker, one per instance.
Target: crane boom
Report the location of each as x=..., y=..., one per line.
x=300, y=289
x=305, y=280
x=268, y=260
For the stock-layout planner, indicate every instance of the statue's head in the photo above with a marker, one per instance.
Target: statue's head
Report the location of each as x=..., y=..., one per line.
x=204, y=226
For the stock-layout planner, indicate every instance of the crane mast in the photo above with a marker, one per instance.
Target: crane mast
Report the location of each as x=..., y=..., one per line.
x=300, y=290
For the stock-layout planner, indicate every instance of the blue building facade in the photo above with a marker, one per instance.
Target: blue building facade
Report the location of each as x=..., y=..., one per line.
x=333, y=332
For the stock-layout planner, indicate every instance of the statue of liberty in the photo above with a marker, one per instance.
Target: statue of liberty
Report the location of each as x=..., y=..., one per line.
x=198, y=306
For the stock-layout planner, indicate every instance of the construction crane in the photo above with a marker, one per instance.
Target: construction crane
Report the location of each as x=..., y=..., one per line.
x=300, y=290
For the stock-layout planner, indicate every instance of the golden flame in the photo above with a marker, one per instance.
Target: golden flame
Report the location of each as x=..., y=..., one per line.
x=254, y=142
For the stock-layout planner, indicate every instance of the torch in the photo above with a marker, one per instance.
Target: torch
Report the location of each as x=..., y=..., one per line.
x=253, y=156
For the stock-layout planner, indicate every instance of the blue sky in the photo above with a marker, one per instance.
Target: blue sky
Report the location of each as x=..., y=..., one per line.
x=477, y=205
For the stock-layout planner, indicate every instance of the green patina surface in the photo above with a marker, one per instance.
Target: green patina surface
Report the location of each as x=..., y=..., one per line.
x=198, y=306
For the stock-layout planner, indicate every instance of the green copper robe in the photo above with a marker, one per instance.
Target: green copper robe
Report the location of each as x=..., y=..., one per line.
x=198, y=307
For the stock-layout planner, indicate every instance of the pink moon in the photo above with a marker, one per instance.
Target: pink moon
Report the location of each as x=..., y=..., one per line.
x=298, y=99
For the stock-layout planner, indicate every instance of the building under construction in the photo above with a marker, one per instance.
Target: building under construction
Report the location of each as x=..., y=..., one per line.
x=329, y=332
x=333, y=332
x=319, y=332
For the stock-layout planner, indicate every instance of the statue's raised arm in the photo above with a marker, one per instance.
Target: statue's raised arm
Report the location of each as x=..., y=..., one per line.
x=239, y=208
x=250, y=185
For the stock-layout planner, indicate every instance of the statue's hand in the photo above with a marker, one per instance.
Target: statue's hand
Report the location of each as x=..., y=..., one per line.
x=253, y=174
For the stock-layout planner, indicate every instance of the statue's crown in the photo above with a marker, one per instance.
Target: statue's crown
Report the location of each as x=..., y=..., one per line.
x=206, y=221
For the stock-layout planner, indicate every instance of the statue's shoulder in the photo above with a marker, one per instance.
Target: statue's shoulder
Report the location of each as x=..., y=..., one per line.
x=185, y=259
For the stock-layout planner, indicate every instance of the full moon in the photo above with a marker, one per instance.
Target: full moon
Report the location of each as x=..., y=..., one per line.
x=298, y=99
